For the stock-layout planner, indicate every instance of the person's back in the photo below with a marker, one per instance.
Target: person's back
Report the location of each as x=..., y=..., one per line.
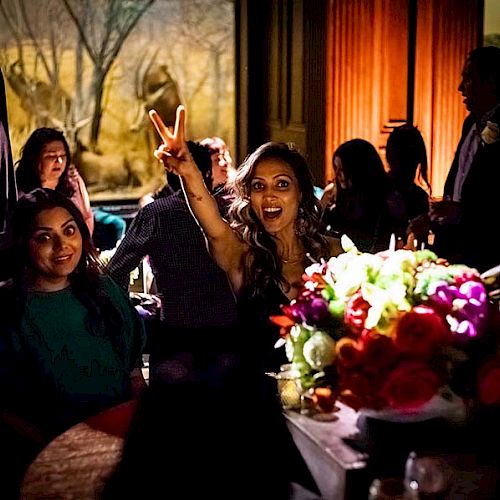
x=407, y=160
x=194, y=291
x=204, y=437
x=198, y=308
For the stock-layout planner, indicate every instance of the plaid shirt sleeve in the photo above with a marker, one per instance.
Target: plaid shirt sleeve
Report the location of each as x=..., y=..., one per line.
x=131, y=250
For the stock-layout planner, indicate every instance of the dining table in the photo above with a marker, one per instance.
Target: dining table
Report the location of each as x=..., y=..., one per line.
x=76, y=464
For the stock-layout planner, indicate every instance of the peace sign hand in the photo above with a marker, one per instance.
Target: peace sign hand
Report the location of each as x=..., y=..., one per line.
x=174, y=152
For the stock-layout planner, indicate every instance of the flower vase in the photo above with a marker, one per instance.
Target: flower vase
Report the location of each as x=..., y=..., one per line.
x=389, y=435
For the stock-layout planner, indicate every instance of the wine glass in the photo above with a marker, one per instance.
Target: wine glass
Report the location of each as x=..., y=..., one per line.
x=429, y=475
x=391, y=488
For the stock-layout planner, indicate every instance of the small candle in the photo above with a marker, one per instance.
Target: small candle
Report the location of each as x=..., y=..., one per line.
x=392, y=243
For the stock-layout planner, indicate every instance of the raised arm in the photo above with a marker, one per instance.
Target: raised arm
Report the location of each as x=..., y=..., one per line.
x=224, y=244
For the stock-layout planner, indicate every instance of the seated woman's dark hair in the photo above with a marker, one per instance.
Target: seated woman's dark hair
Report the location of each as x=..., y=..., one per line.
x=27, y=174
x=28, y=207
x=84, y=280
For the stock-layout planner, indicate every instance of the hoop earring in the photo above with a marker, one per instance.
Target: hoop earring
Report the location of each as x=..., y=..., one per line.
x=300, y=223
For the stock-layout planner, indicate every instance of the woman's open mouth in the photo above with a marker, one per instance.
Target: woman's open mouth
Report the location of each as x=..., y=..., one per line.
x=272, y=213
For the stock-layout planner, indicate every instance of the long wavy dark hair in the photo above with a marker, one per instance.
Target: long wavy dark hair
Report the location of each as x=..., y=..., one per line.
x=263, y=264
x=103, y=315
x=367, y=182
x=27, y=174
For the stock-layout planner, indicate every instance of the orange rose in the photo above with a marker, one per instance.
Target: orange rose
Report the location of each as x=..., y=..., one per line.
x=410, y=385
x=419, y=332
x=348, y=352
x=489, y=383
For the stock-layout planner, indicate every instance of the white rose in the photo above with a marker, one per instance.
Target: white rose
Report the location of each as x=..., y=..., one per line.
x=319, y=350
x=490, y=133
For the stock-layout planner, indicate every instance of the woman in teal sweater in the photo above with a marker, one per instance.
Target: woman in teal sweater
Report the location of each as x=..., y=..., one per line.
x=70, y=340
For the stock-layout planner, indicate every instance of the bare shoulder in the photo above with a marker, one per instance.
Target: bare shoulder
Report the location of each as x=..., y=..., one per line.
x=335, y=246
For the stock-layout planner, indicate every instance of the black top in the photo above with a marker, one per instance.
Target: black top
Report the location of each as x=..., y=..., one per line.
x=254, y=313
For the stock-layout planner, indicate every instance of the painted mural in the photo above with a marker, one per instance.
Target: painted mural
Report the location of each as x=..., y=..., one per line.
x=93, y=68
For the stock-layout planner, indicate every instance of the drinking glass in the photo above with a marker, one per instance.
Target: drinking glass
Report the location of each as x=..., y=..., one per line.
x=429, y=475
x=289, y=389
x=391, y=489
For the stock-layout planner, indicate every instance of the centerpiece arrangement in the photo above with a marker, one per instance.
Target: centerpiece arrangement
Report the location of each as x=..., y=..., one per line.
x=391, y=331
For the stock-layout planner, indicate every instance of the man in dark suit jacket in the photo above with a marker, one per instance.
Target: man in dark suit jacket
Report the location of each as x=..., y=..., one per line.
x=466, y=221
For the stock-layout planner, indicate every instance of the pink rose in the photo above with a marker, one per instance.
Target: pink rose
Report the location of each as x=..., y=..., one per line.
x=420, y=332
x=410, y=385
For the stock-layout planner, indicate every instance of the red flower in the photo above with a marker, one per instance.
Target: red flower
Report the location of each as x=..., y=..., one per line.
x=410, y=385
x=489, y=383
x=362, y=389
x=284, y=322
x=419, y=332
x=378, y=352
x=356, y=312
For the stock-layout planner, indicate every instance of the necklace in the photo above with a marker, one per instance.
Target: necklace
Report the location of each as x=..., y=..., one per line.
x=293, y=260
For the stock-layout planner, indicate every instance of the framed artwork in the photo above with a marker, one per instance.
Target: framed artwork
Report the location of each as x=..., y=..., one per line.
x=93, y=68
x=492, y=22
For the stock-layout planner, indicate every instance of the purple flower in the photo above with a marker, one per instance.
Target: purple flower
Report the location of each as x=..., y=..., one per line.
x=464, y=307
x=308, y=308
x=442, y=295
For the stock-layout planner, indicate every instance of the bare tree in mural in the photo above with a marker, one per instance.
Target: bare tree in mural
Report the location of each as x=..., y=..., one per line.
x=38, y=26
x=198, y=26
x=103, y=27
x=12, y=17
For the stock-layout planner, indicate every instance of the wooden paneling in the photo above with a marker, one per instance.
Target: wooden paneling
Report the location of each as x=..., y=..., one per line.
x=355, y=77
x=286, y=73
x=281, y=76
x=368, y=68
x=321, y=72
x=251, y=52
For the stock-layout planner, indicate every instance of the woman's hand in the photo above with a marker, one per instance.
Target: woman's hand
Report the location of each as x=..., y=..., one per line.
x=329, y=195
x=174, y=152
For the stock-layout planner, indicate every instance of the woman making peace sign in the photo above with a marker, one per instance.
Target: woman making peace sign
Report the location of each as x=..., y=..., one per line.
x=274, y=226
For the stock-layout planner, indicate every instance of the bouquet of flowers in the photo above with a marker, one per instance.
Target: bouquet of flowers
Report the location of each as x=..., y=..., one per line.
x=390, y=330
